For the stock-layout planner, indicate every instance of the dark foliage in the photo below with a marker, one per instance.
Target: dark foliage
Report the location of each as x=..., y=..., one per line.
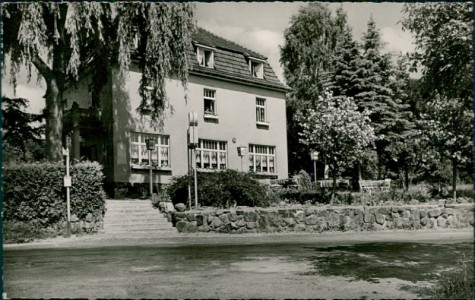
x=221, y=189
x=35, y=192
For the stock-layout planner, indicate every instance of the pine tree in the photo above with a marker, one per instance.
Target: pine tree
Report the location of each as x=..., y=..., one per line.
x=345, y=69
x=372, y=88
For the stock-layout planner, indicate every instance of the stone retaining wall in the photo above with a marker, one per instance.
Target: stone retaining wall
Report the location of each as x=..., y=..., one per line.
x=92, y=223
x=320, y=219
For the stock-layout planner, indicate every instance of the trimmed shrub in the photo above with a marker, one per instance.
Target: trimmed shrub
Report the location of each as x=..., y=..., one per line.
x=35, y=193
x=315, y=196
x=221, y=189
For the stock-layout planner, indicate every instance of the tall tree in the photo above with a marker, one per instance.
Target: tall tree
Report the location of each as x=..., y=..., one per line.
x=338, y=131
x=373, y=90
x=443, y=34
x=404, y=140
x=307, y=58
x=63, y=39
x=18, y=126
x=346, y=65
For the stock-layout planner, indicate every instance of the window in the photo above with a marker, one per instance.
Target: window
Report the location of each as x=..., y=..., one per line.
x=209, y=103
x=261, y=117
x=205, y=57
x=262, y=159
x=257, y=69
x=211, y=155
x=139, y=152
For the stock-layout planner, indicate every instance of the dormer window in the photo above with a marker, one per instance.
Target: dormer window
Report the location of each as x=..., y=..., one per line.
x=205, y=57
x=256, y=68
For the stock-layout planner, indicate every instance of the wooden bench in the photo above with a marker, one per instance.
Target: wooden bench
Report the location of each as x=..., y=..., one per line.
x=369, y=186
x=328, y=183
x=289, y=182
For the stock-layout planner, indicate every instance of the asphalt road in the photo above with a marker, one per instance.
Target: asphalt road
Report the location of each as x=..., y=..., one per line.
x=216, y=266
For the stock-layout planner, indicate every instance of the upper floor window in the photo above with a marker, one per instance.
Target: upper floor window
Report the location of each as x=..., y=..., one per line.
x=205, y=57
x=210, y=103
x=261, y=115
x=211, y=155
x=139, y=155
x=257, y=69
x=262, y=159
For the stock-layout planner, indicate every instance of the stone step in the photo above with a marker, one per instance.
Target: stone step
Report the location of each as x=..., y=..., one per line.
x=128, y=218
x=138, y=234
x=140, y=227
x=133, y=212
x=152, y=218
x=136, y=207
x=135, y=222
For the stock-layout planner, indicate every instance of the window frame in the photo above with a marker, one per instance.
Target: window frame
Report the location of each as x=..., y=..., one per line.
x=200, y=152
x=253, y=153
x=201, y=52
x=212, y=114
x=142, y=151
x=261, y=108
x=256, y=63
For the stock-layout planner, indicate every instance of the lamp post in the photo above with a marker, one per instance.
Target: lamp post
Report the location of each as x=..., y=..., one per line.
x=314, y=157
x=192, y=145
x=150, y=146
x=67, y=185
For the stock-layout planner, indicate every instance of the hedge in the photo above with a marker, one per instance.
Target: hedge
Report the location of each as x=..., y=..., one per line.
x=221, y=189
x=34, y=193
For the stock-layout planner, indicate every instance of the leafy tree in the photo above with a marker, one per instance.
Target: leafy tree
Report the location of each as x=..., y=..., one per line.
x=307, y=59
x=306, y=55
x=338, y=131
x=62, y=40
x=19, y=131
x=443, y=34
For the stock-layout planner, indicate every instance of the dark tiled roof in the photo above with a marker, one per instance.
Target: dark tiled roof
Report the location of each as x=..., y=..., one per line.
x=230, y=61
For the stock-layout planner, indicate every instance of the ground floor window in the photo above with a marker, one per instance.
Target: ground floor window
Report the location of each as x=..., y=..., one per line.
x=211, y=155
x=262, y=159
x=139, y=152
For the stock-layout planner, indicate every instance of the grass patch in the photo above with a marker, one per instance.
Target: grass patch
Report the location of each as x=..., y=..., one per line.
x=455, y=284
x=21, y=232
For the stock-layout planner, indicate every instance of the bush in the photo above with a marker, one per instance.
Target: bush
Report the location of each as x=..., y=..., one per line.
x=305, y=182
x=34, y=193
x=458, y=283
x=306, y=197
x=221, y=189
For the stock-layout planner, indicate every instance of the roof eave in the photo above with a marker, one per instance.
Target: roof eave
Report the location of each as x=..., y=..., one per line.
x=242, y=81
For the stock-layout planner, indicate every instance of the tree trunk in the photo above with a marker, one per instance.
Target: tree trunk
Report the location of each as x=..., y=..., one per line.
x=380, y=166
x=454, y=178
x=54, y=121
x=406, y=178
x=333, y=173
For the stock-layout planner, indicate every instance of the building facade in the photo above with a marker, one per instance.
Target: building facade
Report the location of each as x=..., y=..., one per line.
x=239, y=101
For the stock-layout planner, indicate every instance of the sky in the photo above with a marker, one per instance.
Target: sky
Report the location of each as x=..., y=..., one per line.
x=260, y=27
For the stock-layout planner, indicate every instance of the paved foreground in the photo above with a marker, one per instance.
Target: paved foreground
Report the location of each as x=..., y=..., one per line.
x=343, y=265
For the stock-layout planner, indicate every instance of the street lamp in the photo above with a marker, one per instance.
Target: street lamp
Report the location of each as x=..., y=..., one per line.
x=314, y=157
x=150, y=146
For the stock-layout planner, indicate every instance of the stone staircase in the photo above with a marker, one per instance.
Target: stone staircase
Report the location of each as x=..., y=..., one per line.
x=135, y=218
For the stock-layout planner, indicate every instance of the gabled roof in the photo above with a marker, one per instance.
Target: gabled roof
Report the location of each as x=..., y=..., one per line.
x=231, y=61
